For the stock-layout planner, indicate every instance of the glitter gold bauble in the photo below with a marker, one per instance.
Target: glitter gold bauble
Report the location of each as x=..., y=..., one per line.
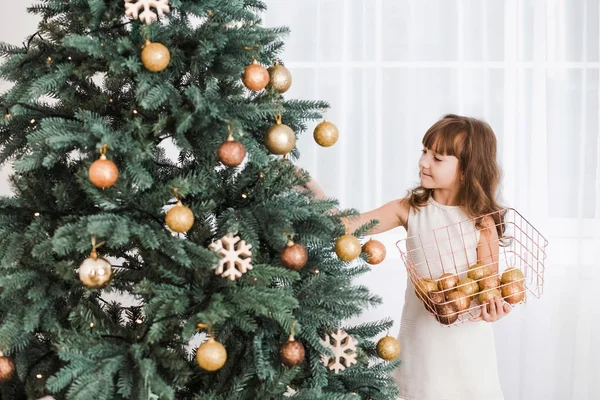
x=375, y=251
x=211, y=355
x=388, y=348
x=291, y=353
x=179, y=218
x=513, y=292
x=294, y=256
x=255, y=77
x=95, y=272
x=155, y=56
x=280, y=138
x=280, y=77
x=347, y=247
x=326, y=134
x=103, y=173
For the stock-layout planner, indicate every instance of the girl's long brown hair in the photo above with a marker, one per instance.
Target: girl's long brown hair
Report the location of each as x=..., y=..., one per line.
x=473, y=142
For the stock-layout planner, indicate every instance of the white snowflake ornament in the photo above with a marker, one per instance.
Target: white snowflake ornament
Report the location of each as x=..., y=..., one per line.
x=344, y=351
x=232, y=249
x=133, y=7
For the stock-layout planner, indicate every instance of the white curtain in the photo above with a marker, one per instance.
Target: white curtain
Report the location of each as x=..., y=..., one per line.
x=391, y=68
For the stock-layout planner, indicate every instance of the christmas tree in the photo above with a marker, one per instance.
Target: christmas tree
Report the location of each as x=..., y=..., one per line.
x=130, y=273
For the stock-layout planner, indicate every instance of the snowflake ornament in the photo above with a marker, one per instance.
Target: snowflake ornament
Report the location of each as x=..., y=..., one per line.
x=133, y=7
x=344, y=351
x=232, y=249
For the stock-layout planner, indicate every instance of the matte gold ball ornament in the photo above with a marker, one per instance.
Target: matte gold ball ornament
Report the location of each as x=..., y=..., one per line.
x=95, y=272
x=232, y=152
x=375, y=251
x=294, y=256
x=211, y=355
x=388, y=348
x=326, y=134
x=347, y=247
x=255, y=77
x=280, y=138
x=7, y=368
x=103, y=173
x=155, y=56
x=280, y=77
x=291, y=353
x=179, y=218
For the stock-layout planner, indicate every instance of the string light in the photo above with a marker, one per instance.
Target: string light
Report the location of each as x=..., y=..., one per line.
x=317, y=271
x=138, y=321
x=39, y=376
x=244, y=195
x=91, y=325
x=37, y=214
x=135, y=111
x=32, y=122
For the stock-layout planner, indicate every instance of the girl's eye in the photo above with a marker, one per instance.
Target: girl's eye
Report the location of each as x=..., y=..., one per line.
x=424, y=151
x=436, y=159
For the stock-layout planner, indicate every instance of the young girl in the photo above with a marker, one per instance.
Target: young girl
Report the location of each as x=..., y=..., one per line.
x=459, y=177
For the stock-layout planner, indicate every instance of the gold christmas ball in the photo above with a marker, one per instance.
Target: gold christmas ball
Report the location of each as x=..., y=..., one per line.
x=326, y=134
x=211, y=355
x=488, y=295
x=489, y=282
x=434, y=298
x=447, y=281
x=461, y=300
x=424, y=286
x=388, y=348
x=255, y=77
x=103, y=173
x=375, y=251
x=512, y=275
x=478, y=271
x=513, y=292
x=95, y=272
x=291, y=353
x=468, y=286
x=294, y=256
x=232, y=153
x=347, y=247
x=7, y=368
x=179, y=218
x=280, y=138
x=280, y=78
x=155, y=56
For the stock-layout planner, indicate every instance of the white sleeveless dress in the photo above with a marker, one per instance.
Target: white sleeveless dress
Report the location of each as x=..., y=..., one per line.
x=439, y=362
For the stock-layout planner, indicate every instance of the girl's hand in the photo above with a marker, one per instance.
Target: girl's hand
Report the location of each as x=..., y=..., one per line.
x=498, y=309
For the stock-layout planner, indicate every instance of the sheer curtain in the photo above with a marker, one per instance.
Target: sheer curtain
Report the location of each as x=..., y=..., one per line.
x=390, y=68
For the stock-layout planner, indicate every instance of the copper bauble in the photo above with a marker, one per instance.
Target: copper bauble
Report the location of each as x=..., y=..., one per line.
x=155, y=56
x=388, y=348
x=375, y=251
x=255, y=77
x=7, y=368
x=461, y=300
x=291, y=353
x=103, y=173
x=280, y=138
x=347, y=247
x=280, y=78
x=446, y=314
x=433, y=299
x=179, y=218
x=478, y=271
x=512, y=275
x=468, y=286
x=232, y=153
x=513, y=292
x=294, y=256
x=211, y=355
x=489, y=282
x=447, y=281
x=326, y=134
x=95, y=272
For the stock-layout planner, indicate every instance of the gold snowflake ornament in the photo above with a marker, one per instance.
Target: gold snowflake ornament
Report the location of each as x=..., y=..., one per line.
x=344, y=351
x=235, y=256
x=133, y=8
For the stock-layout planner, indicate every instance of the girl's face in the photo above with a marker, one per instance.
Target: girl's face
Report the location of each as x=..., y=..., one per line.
x=438, y=171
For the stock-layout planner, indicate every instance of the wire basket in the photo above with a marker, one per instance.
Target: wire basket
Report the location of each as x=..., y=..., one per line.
x=459, y=267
